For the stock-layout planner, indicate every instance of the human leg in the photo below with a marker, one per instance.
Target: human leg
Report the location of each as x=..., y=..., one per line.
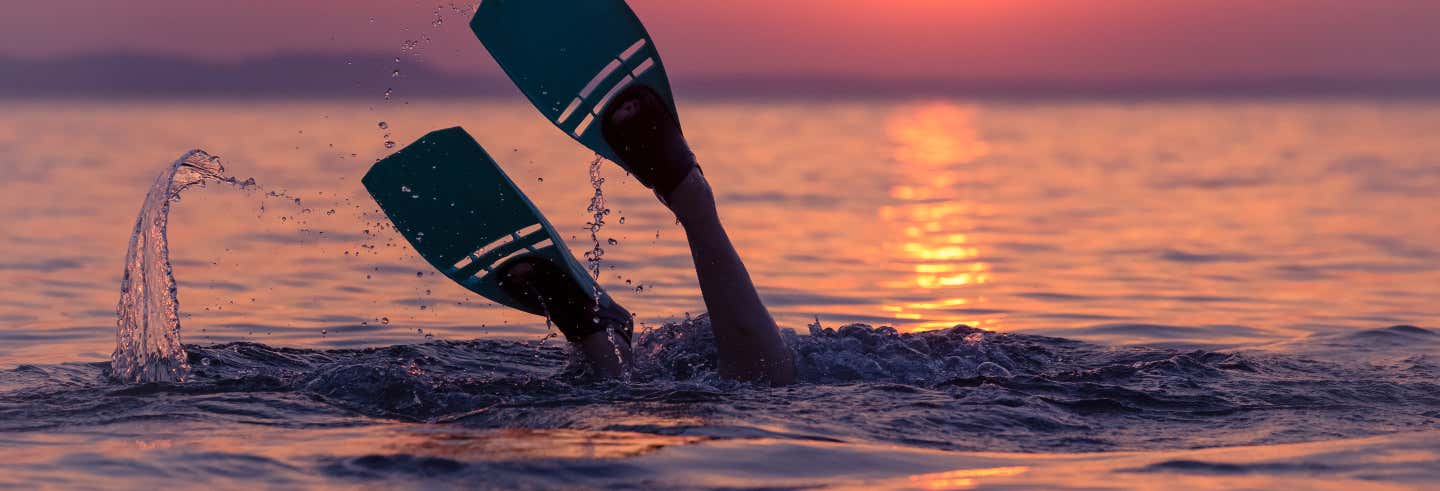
x=646, y=135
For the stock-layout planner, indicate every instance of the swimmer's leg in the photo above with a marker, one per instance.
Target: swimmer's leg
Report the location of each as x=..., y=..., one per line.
x=602, y=336
x=646, y=135
x=608, y=356
x=746, y=336
x=474, y=206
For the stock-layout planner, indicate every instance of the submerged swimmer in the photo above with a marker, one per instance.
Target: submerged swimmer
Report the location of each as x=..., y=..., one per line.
x=646, y=135
x=476, y=227
x=482, y=232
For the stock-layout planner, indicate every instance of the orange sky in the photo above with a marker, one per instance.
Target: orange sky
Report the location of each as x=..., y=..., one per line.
x=871, y=39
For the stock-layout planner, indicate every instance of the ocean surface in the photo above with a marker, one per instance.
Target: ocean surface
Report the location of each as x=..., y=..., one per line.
x=983, y=294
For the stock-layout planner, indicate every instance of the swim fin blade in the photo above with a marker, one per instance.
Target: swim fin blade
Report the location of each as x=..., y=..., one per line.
x=455, y=206
x=571, y=57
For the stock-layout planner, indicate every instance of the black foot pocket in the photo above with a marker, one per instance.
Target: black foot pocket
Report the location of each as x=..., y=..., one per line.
x=647, y=138
x=544, y=288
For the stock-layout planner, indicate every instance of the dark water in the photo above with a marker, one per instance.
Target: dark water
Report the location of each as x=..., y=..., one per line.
x=959, y=389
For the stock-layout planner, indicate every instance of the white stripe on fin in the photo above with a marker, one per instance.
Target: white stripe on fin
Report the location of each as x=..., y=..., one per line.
x=461, y=264
x=540, y=245
x=568, y=111
x=584, y=124
x=600, y=106
x=632, y=50
x=644, y=66
x=599, y=77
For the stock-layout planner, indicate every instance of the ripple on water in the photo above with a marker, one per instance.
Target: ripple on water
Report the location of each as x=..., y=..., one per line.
x=952, y=389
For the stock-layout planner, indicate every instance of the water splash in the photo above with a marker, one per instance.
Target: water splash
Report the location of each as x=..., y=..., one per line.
x=598, y=211
x=938, y=390
x=147, y=335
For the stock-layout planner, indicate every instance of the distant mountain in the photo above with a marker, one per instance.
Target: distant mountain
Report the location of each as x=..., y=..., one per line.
x=369, y=75
x=146, y=75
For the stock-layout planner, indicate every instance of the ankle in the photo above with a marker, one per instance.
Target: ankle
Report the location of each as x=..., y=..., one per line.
x=692, y=199
x=608, y=353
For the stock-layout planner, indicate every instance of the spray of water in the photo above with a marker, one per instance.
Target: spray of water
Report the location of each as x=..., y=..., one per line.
x=147, y=335
x=598, y=211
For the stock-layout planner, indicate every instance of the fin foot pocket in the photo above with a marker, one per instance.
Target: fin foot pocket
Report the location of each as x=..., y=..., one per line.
x=646, y=136
x=543, y=288
x=458, y=209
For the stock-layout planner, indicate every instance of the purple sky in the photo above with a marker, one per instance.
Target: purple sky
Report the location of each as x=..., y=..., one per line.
x=1086, y=40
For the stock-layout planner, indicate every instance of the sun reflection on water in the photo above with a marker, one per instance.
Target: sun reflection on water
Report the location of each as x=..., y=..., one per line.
x=931, y=218
x=963, y=478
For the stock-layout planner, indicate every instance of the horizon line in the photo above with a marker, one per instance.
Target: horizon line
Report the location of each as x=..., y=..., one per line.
x=339, y=75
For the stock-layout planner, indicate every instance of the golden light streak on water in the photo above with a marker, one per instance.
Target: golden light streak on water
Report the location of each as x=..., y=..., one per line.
x=963, y=478
x=933, y=144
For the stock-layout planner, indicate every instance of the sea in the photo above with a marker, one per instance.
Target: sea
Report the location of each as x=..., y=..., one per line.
x=1180, y=293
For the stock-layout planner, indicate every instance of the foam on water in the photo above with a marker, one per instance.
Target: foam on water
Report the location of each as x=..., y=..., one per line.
x=866, y=395
x=953, y=389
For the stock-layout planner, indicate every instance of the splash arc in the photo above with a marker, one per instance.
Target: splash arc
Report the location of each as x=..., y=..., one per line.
x=147, y=334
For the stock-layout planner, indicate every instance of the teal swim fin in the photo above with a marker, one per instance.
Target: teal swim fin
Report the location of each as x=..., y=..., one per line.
x=452, y=202
x=571, y=57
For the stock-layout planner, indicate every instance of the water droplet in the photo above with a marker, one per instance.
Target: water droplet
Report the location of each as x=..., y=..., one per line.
x=404, y=189
x=389, y=144
x=388, y=93
x=205, y=361
x=395, y=74
x=384, y=125
x=540, y=179
x=385, y=320
x=419, y=274
x=612, y=241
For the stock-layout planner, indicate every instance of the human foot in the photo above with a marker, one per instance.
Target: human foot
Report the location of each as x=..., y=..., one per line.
x=545, y=289
x=648, y=140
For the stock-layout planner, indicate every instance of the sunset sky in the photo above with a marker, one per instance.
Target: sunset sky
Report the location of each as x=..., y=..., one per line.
x=860, y=39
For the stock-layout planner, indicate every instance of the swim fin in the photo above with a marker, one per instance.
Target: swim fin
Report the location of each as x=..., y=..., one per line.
x=571, y=58
x=452, y=202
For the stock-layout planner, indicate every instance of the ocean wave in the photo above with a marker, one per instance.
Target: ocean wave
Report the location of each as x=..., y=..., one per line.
x=952, y=389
